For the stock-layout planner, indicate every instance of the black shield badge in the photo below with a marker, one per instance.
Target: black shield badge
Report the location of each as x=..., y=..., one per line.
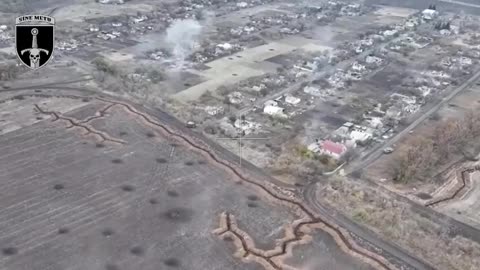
x=34, y=39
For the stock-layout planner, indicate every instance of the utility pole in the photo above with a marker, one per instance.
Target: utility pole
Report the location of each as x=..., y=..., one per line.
x=240, y=139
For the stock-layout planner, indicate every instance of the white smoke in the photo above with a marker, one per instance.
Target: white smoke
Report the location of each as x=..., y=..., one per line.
x=182, y=36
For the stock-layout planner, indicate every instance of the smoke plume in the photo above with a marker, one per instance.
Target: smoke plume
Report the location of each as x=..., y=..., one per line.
x=183, y=36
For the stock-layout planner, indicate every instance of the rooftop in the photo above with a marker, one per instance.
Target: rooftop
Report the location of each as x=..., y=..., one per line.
x=333, y=147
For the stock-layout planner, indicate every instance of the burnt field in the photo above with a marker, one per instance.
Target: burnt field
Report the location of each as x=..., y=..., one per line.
x=98, y=188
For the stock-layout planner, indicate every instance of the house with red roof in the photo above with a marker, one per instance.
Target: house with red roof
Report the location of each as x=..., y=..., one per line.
x=333, y=149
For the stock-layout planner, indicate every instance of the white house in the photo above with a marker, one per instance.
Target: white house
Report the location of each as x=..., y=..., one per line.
x=358, y=135
x=375, y=122
x=344, y=131
x=273, y=110
x=429, y=14
x=225, y=46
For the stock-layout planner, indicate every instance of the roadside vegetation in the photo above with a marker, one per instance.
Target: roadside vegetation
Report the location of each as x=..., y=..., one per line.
x=9, y=71
x=423, y=156
x=396, y=222
x=295, y=161
x=139, y=82
x=104, y=66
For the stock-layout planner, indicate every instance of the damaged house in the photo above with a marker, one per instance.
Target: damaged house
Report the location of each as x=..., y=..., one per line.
x=353, y=134
x=272, y=108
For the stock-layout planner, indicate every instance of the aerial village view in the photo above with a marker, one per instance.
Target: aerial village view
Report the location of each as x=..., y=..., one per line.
x=256, y=134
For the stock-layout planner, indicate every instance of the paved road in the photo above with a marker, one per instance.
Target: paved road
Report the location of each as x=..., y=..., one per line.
x=367, y=160
x=310, y=197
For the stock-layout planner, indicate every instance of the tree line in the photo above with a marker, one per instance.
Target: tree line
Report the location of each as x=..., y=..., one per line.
x=423, y=155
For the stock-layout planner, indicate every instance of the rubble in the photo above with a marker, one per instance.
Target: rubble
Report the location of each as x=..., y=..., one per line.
x=373, y=60
x=309, y=66
x=314, y=91
x=350, y=10
x=242, y=4
x=158, y=54
x=235, y=97
x=94, y=28
x=210, y=52
x=258, y=88
x=292, y=100
x=140, y=19
x=66, y=45
x=390, y=33
x=246, y=127
x=214, y=110
x=337, y=80
x=402, y=106
x=358, y=67
x=425, y=90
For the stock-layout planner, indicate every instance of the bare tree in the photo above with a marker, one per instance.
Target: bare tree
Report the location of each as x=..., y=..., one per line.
x=445, y=137
x=423, y=155
x=9, y=72
x=102, y=65
x=415, y=161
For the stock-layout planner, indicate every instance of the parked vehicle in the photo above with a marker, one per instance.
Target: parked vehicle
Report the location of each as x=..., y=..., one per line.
x=191, y=124
x=388, y=150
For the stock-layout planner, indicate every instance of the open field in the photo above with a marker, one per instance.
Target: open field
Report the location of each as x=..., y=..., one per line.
x=82, y=11
x=243, y=65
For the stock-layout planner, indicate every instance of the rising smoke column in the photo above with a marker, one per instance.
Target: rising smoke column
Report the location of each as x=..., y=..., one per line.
x=182, y=37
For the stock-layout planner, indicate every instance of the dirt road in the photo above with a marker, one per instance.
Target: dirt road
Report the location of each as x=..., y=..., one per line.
x=370, y=157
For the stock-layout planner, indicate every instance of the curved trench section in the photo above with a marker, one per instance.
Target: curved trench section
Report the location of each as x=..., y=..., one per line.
x=464, y=176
